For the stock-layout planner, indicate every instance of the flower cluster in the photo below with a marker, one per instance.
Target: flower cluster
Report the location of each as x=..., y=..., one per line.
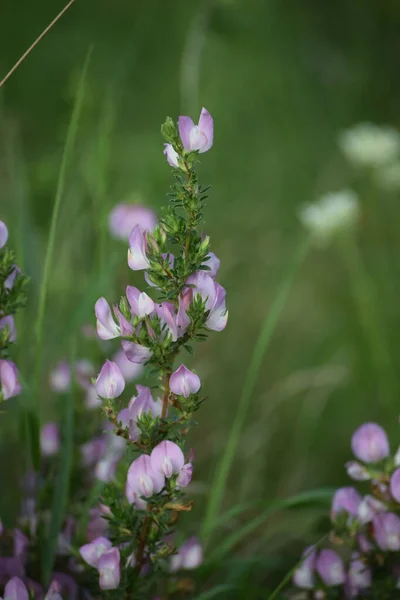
x=365, y=538
x=182, y=303
x=12, y=298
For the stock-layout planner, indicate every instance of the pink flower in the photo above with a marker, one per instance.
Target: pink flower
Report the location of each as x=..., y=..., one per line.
x=370, y=443
x=213, y=294
x=197, y=137
x=142, y=403
x=395, y=485
x=15, y=590
x=110, y=383
x=49, y=439
x=92, y=552
x=143, y=480
x=9, y=384
x=189, y=556
x=141, y=304
x=359, y=577
x=3, y=234
x=184, y=382
x=345, y=500
x=167, y=458
x=387, y=531
x=304, y=574
x=125, y=217
x=109, y=570
x=136, y=353
x=60, y=377
x=137, y=259
x=330, y=567
x=172, y=155
x=107, y=329
x=10, y=324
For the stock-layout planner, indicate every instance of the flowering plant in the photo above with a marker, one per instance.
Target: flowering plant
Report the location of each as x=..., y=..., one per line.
x=363, y=558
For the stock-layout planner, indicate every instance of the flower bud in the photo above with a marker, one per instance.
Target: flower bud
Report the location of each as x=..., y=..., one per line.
x=9, y=384
x=184, y=382
x=137, y=259
x=346, y=500
x=387, y=531
x=110, y=383
x=107, y=329
x=330, y=567
x=15, y=590
x=304, y=574
x=185, y=476
x=109, y=570
x=357, y=471
x=92, y=552
x=9, y=282
x=370, y=443
x=125, y=217
x=10, y=324
x=172, y=155
x=136, y=353
x=197, y=137
x=168, y=130
x=49, y=439
x=395, y=485
x=167, y=458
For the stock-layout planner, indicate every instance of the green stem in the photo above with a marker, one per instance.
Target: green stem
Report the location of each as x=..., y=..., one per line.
x=267, y=330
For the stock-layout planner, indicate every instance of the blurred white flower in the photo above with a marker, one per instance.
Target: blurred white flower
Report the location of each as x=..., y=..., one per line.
x=387, y=177
x=334, y=212
x=370, y=145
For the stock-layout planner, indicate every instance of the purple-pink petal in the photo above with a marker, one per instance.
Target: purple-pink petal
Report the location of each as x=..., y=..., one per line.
x=185, y=125
x=136, y=353
x=110, y=383
x=109, y=570
x=167, y=458
x=9, y=383
x=3, y=234
x=107, y=329
x=184, y=382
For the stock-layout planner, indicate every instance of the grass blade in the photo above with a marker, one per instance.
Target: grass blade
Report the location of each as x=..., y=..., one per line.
x=262, y=344
x=61, y=490
x=39, y=325
x=300, y=500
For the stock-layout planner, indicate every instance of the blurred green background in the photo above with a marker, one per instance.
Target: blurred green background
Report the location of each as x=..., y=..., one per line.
x=281, y=78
